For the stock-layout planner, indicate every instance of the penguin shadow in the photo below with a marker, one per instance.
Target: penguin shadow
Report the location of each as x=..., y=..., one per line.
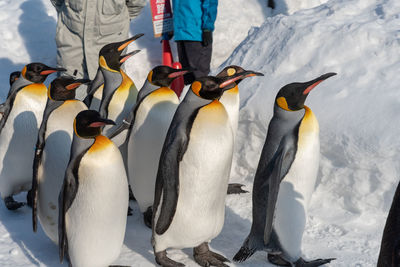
x=5, y=76
x=265, y=7
x=138, y=238
x=37, y=248
x=38, y=31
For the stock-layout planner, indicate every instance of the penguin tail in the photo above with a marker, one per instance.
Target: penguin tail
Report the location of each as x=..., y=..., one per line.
x=245, y=251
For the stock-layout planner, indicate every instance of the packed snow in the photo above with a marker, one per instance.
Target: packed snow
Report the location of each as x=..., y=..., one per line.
x=300, y=40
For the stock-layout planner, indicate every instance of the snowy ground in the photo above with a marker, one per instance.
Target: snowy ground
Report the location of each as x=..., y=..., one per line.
x=357, y=110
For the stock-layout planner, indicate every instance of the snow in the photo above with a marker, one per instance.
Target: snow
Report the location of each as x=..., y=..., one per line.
x=302, y=39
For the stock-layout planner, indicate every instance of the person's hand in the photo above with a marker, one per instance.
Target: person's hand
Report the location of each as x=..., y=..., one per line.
x=207, y=37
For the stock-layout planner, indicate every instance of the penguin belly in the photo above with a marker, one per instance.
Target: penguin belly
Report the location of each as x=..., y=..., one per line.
x=18, y=139
x=56, y=154
x=119, y=108
x=96, y=220
x=296, y=188
x=231, y=100
x=203, y=181
x=96, y=100
x=153, y=118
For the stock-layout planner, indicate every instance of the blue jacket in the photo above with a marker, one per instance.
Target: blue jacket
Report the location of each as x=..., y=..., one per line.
x=193, y=16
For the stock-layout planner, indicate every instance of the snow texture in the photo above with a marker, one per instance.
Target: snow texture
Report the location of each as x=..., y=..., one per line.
x=300, y=40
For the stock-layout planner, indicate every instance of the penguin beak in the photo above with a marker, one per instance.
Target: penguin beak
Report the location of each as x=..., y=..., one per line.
x=231, y=79
x=101, y=122
x=315, y=82
x=124, y=58
x=76, y=84
x=51, y=70
x=177, y=73
x=252, y=73
x=130, y=40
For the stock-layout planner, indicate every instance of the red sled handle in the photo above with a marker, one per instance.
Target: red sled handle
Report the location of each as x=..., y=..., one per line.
x=167, y=60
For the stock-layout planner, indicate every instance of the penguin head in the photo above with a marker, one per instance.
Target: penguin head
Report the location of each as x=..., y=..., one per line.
x=88, y=124
x=63, y=88
x=38, y=72
x=292, y=96
x=14, y=76
x=233, y=69
x=163, y=75
x=212, y=88
x=110, y=56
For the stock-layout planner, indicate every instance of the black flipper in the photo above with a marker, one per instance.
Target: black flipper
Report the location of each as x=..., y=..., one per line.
x=175, y=145
x=94, y=85
x=40, y=143
x=281, y=165
x=69, y=189
x=273, y=174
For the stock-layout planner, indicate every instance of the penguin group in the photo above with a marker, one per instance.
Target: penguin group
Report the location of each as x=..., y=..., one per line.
x=77, y=159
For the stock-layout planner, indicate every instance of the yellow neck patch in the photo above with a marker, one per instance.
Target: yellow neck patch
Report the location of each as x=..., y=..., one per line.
x=36, y=89
x=150, y=77
x=100, y=143
x=126, y=82
x=281, y=101
x=103, y=64
x=23, y=72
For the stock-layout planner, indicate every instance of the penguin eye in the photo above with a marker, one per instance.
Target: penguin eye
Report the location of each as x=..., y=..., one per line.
x=196, y=87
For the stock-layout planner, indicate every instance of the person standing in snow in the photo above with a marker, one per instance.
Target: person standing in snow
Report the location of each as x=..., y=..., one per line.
x=193, y=30
x=85, y=26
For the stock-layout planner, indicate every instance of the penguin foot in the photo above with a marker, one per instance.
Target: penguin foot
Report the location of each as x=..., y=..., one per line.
x=29, y=199
x=130, y=211
x=302, y=263
x=11, y=204
x=148, y=217
x=236, y=189
x=163, y=260
x=205, y=257
x=277, y=259
x=243, y=254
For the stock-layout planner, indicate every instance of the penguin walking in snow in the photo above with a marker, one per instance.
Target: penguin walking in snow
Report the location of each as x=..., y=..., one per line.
x=231, y=101
x=389, y=255
x=149, y=122
x=285, y=179
x=53, y=152
x=94, y=197
x=22, y=115
x=193, y=173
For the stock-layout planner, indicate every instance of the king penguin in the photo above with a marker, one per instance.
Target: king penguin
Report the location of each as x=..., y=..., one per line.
x=22, y=115
x=389, y=254
x=193, y=173
x=110, y=61
x=53, y=152
x=94, y=197
x=231, y=101
x=151, y=118
x=285, y=179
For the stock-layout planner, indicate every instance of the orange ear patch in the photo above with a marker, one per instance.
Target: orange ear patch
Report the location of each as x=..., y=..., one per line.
x=281, y=101
x=196, y=87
